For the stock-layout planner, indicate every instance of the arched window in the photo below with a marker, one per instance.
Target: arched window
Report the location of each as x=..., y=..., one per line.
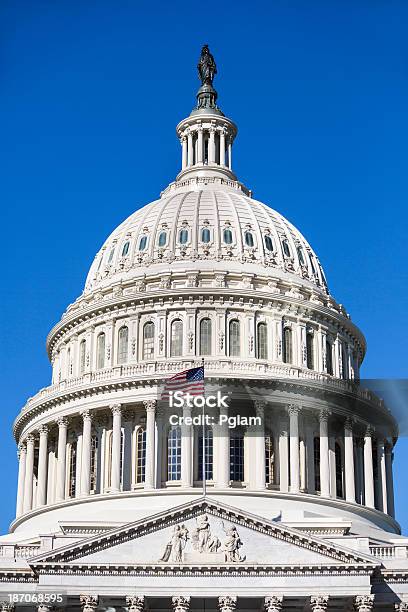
x=287, y=345
x=208, y=442
x=176, y=338
x=148, y=340
x=162, y=239
x=285, y=246
x=125, y=249
x=234, y=339
x=143, y=243
x=237, y=457
x=122, y=448
x=82, y=356
x=309, y=351
x=110, y=258
x=262, y=341
x=183, y=236
x=140, y=455
x=339, y=470
x=227, y=234
x=100, y=351
x=316, y=459
x=94, y=462
x=174, y=453
x=123, y=341
x=268, y=243
x=249, y=239
x=269, y=460
x=69, y=363
x=205, y=337
x=329, y=358
x=72, y=469
x=300, y=255
x=205, y=235
x=312, y=264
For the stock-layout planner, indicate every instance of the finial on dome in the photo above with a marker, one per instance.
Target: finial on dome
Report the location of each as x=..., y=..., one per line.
x=207, y=69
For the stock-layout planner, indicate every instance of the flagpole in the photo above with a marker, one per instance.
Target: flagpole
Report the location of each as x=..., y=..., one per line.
x=203, y=430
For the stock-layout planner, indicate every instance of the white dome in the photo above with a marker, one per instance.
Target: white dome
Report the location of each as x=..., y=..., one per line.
x=243, y=235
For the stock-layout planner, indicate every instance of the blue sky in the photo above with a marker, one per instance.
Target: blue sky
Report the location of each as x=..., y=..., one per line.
x=90, y=96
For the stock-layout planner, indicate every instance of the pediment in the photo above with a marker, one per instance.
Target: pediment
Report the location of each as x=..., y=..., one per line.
x=204, y=533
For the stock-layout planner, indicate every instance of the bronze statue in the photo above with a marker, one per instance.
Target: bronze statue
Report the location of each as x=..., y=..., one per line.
x=206, y=66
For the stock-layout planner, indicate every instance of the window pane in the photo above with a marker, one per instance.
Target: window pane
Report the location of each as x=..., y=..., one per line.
x=148, y=340
x=208, y=453
x=249, y=239
x=140, y=455
x=162, y=239
x=287, y=345
x=111, y=256
x=143, y=243
x=237, y=458
x=300, y=255
x=329, y=358
x=310, y=351
x=262, y=341
x=183, y=236
x=286, y=248
x=227, y=236
x=82, y=356
x=174, y=454
x=94, y=462
x=123, y=345
x=176, y=340
x=100, y=350
x=205, y=337
x=234, y=339
x=205, y=235
x=268, y=243
x=269, y=460
x=125, y=249
x=72, y=470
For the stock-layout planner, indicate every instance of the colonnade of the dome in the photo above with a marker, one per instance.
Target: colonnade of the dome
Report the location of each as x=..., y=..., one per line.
x=125, y=447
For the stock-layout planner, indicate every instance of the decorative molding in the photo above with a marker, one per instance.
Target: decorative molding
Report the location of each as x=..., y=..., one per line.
x=180, y=603
x=227, y=603
x=364, y=603
x=273, y=603
x=319, y=603
x=89, y=603
x=135, y=603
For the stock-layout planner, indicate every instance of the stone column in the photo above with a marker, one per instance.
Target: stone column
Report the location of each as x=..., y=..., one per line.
x=390, y=481
x=89, y=603
x=294, y=448
x=363, y=603
x=259, y=440
x=200, y=149
x=223, y=455
x=180, y=603
x=42, y=466
x=62, y=458
x=22, y=454
x=86, y=453
x=135, y=603
x=349, y=461
x=319, y=603
x=273, y=603
x=368, y=469
x=150, y=407
x=324, y=453
x=211, y=147
x=183, y=152
x=227, y=603
x=381, y=477
x=116, y=438
x=186, y=450
x=222, y=147
x=28, y=487
x=283, y=461
x=190, y=152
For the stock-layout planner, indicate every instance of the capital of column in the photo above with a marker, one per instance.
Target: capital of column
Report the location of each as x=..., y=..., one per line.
x=115, y=408
x=273, y=603
x=43, y=430
x=135, y=603
x=369, y=432
x=180, y=603
x=30, y=440
x=6, y=606
x=44, y=608
x=319, y=603
x=62, y=422
x=294, y=409
x=349, y=423
x=324, y=415
x=150, y=405
x=227, y=603
x=86, y=415
x=89, y=603
x=402, y=606
x=21, y=449
x=363, y=603
x=259, y=408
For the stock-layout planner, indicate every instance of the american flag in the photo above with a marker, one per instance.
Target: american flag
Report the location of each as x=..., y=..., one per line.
x=189, y=381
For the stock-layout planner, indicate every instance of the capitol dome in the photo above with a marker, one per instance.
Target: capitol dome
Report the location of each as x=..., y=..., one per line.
x=206, y=281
